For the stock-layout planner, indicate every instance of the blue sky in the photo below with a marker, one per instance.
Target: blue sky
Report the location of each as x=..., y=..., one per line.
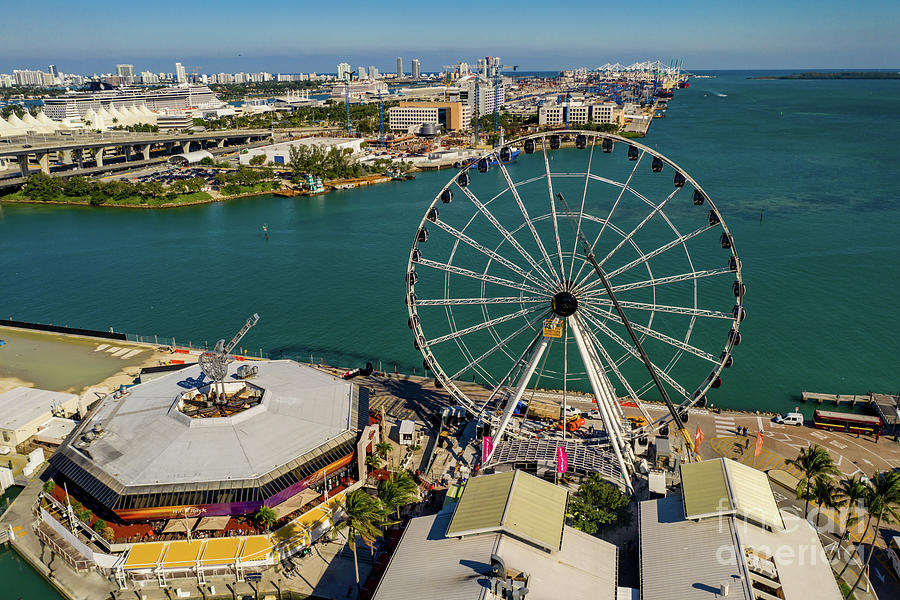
x=230, y=35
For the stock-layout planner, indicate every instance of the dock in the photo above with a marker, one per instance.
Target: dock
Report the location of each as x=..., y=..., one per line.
x=888, y=408
x=836, y=399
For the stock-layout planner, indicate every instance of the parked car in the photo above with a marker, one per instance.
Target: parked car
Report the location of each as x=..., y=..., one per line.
x=594, y=413
x=791, y=418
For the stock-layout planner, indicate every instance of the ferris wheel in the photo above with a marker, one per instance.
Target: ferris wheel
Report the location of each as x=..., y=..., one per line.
x=604, y=269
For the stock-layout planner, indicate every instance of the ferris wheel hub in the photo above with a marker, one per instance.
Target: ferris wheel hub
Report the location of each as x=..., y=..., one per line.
x=564, y=304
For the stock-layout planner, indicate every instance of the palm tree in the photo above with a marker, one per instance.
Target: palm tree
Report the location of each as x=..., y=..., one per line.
x=824, y=495
x=373, y=461
x=398, y=491
x=814, y=462
x=266, y=516
x=364, y=516
x=383, y=448
x=849, y=492
x=884, y=500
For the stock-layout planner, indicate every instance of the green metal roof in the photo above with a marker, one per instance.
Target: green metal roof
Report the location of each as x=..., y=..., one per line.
x=482, y=504
x=726, y=487
x=516, y=503
x=753, y=498
x=705, y=489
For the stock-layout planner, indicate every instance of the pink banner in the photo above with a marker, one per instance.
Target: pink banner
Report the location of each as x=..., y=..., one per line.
x=562, y=460
x=487, y=447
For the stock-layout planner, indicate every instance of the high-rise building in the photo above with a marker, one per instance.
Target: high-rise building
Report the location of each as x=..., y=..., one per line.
x=343, y=70
x=28, y=77
x=416, y=69
x=362, y=72
x=126, y=72
x=399, y=67
x=180, y=74
x=53, y=72
x=463, y=69
x=148, y=77
x=373, y=72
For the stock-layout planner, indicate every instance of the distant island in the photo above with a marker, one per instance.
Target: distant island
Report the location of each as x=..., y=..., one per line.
x=836, y=75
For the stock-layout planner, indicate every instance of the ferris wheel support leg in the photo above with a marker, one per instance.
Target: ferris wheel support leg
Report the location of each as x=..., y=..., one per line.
x=617, y=415
x=602, y=402
x=513, y=402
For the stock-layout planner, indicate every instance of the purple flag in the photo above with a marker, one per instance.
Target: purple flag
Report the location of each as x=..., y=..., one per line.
x=562, y=460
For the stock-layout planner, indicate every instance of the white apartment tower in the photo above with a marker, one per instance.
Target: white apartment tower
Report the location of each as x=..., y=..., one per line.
x=399, y=67
x=180, y=74
x=416, y=68
x=343, y=71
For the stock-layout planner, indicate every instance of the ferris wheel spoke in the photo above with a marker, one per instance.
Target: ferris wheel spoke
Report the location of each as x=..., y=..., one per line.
x=562, y=269
x=480, y=276
x=613, y=209
x=633, y=352
x=506, y=234
x=488, y=252
x=528, y=324
x=485, y=325
x=587, y=178
x=480, y=301
x=674, y=342
x=615, y=369
x=625, y=287
x=677, y=310
x=639, y=226
x=515, y=194
x=657, y=251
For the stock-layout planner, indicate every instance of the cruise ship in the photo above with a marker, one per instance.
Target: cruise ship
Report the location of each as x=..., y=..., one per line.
x=175, y=98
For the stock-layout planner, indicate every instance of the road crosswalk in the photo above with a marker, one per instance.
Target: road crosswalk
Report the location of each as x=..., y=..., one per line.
x=725, y=425
x=123, y=353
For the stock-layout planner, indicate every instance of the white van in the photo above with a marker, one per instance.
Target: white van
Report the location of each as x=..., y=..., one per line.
x=791, y=418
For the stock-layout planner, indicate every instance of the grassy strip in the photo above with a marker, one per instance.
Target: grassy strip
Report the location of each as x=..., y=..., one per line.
x=136, y=201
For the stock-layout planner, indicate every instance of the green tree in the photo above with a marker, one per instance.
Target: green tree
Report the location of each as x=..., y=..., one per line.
x=42, y=188
x=823, y=493
x=373, y=461
x=85, y=515
x=883, y=501
x=399, y=490
x=383, y=448
x=258, y=160
x=99, y=525
x=77, y=187
x=364, y=518
x=597, y=503
x=207, y=161
x=266, y=516
x=108, y=534
x=850, y=492
x=813, y=462
x=49, y=486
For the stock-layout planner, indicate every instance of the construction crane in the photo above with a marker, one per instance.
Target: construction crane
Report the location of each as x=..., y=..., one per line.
x=497, y=99
x=347, y=103
x=381, y=119
x=214, y=363
x=448, y=80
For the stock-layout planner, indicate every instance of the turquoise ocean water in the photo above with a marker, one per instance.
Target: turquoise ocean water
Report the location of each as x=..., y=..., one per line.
x=819, y=159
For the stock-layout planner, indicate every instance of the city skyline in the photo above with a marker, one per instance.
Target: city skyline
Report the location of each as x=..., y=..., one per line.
x=704, y=35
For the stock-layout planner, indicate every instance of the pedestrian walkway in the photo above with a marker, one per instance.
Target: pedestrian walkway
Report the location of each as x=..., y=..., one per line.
x=393, y=407
x=724, y=425
x=737, y=448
